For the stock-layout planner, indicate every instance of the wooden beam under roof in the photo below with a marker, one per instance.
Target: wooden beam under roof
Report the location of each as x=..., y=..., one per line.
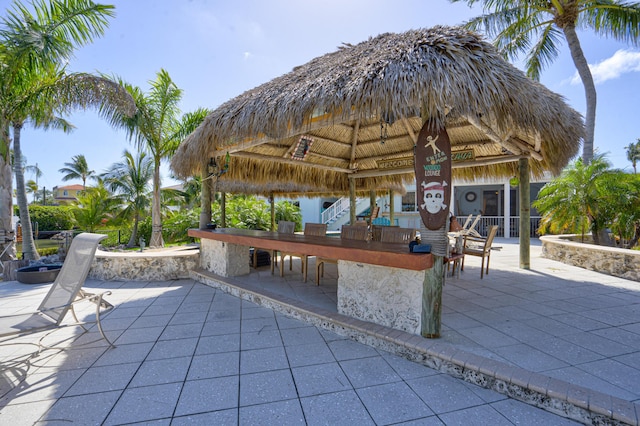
x=481, y=161
x=255, y=156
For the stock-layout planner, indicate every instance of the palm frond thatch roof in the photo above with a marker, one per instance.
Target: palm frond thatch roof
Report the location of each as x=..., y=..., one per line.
x=364, y=105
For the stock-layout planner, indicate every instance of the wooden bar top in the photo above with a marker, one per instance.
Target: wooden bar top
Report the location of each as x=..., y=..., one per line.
x=374, y=252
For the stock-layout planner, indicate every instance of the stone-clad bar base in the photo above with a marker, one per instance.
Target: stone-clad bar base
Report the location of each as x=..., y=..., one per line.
x=380, y=294
x=556, y=396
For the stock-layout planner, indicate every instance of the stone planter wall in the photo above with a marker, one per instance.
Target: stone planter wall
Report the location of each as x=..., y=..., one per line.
x=150, y=265
x=623, y=263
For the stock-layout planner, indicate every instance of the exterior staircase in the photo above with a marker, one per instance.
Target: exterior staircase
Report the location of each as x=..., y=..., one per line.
x=338, y=213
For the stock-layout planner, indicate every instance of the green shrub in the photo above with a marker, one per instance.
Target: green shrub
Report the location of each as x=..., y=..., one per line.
x=112, y=236
x=176, y=224
x=48, y=251
x=52, y=218
x=144, y=230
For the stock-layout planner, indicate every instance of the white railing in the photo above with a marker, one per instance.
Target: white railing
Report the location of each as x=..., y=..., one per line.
x=514, y=225
x=335, y=209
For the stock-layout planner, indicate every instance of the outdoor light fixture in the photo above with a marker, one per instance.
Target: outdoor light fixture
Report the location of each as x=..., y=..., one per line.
x=214, y=170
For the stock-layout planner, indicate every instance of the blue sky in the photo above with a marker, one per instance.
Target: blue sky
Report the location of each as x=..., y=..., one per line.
x=214, y=50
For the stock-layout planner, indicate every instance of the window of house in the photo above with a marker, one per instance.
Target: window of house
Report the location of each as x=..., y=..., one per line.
x=65, y=193
x=409, y=201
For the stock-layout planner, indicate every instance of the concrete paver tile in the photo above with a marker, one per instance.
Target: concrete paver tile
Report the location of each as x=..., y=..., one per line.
x=145, y=404
x=336, y=408
x=258, y=360
x=393, y=402
x=444, y=393
x=275, y=413
x=214, y=365
x=319, y=379
x=201, y=396
x=218, y=343
x=222, y=417
x=104, y=378
x=267, y=386
x=81, y=409
x=161, y=371
x=370, y=371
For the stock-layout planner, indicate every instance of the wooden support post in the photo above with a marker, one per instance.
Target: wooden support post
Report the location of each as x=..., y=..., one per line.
x=432, y=298
x=205, y=200
x=273, y=212
x=525, y=214
x=391, y=208
x=223, y=210
x=372, y=200
x=352, y=201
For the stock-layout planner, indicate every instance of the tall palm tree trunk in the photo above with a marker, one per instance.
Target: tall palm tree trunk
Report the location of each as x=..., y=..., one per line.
x=6, y=184
x=156, y=219
x=29, y=250
x=134, y=232
x=589, y=90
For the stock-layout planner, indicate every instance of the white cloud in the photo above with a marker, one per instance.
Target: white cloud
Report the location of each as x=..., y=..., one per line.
x=246, y=55
x=622, y=62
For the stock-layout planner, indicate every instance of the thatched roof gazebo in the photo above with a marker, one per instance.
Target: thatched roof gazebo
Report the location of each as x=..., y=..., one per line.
x=355, y=114
x=349, y=120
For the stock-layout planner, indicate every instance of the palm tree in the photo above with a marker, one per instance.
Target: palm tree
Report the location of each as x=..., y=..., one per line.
x=77, y=169
x=157, y=129
x=94, y=206
x=536, y=27
x=32, y=188
x=130, y=179
x=31, y=47
x=633, y=153
x=583, y=196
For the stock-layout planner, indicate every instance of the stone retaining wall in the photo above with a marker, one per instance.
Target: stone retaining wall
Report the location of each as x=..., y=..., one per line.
x=613, y=261
x=150, y=265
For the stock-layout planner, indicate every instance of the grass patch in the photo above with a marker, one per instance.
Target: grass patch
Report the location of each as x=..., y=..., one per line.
x=44, y=247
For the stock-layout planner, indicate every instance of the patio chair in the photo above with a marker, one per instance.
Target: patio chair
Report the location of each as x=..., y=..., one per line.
x=65, y=292
x=391, y=234
x=481, y=247
x=310, y=229
x=284, y=227
x=374, y=214
x=471, y=230
x=347, y=232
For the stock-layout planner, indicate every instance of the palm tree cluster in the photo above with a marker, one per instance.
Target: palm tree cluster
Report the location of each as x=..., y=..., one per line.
x=36, y=89
x=158, y=128
x=36, y=43
x=592, y=198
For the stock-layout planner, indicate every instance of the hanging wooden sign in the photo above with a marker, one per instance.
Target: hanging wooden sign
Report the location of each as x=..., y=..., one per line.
x=433, y=175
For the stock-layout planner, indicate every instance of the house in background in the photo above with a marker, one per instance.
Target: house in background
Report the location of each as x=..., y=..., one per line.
x=496, y=201
x=66, y=194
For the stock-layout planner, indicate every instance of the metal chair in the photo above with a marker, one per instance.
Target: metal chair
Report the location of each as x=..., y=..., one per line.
x=64, y=293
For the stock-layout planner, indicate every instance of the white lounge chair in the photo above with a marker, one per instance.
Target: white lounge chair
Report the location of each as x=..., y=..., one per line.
x=65, y=292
